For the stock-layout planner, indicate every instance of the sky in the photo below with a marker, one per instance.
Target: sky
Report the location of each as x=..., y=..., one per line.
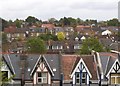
x=46, y=9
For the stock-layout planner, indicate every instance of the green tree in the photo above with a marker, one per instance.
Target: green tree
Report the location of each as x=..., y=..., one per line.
x=79, y=21
x=61, y=36
x=18, y=23
x=113, y=22
x=3, y=80
x=47, y=37
x=90, y=44
x=73, y=22
x=4, y=38
x=4, y=23
x=32, y=20
x=36, y=45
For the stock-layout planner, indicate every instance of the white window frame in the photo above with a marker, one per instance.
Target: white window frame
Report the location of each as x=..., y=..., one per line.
x=76, y=46
x=42, y=78
x=79, y=78
x=55, y=47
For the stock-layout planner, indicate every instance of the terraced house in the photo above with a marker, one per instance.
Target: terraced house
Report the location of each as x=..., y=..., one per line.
x=63, y=69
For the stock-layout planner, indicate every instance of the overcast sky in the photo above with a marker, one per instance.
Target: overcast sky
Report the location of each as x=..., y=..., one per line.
x=45, y=9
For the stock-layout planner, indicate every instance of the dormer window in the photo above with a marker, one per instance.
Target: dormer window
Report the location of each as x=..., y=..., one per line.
x=83, y=77
x=42, y=77
x=76, y=39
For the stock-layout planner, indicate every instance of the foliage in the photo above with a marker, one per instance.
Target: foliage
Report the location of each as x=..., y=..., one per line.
x=47, y=37
x=4, y=23
x=2, y=78
x=4, y=38
x=53, y=21
x=36, y=45
x=113, y=22
x=90, y=44
x=32, y=20
x=61, y=36
x=18, y=23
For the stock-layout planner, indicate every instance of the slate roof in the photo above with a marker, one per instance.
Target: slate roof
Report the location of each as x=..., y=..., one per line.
x=107, y=60
x=31, y=59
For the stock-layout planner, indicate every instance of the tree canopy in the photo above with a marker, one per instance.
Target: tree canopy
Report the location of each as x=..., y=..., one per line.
x=90, y=44
x=47, y=37
x=35, y=45
x=61, y=36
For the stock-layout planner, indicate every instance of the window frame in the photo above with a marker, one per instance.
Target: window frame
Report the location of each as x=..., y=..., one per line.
x=42, y=81
x=115, y=77
x=79, y=77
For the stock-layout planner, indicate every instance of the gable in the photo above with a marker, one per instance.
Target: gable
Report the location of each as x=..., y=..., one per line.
x=81, y=66
x=7, y=65
x=42, y=65
x=115, y=68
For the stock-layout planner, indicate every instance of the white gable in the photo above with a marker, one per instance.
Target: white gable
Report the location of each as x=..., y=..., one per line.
x=113, y=68
x=78, y=70
x=107, y=32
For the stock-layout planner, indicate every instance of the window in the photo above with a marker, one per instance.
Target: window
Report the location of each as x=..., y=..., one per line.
x=42, y=77
x=4, y=75
x=115, y=78
x=76, y=46
x=54, y=47
x=60, y=47
x=47, y=47
x=78, y=78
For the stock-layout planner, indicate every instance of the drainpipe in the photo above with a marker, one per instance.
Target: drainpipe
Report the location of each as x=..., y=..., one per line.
x=61, y=79
x=100, y=80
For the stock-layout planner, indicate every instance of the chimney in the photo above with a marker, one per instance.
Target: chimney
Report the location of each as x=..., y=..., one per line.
x=23, y=58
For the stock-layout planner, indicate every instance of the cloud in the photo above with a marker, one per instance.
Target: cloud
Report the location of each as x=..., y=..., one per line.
x=44, y=9
x=94, y=5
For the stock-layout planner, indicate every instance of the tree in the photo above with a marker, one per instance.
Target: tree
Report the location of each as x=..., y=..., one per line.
x=61, y=36
x=36, y=45
x=3, y=79
x=113, y=22
x=79, y=21
x=90, y=44
x=31, y=20
x=4, y=24
x=47, y=37
x=73, y=22
x=18, y=23
x=4, y=38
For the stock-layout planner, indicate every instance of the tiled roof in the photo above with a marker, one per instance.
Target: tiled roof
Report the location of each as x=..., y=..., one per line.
x=67, y=65
x=69, y=62
x=89, y=61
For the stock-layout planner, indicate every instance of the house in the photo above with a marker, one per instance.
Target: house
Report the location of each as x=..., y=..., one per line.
x=48, y=27
x=106, y=32
x=109, y=67
x=79, y=69
x=100, y=68
x=33, y=69
x=67, y=46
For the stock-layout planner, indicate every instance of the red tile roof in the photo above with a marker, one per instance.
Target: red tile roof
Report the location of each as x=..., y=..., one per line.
x=49, y=26
x=67, y=65
x=69, y=62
